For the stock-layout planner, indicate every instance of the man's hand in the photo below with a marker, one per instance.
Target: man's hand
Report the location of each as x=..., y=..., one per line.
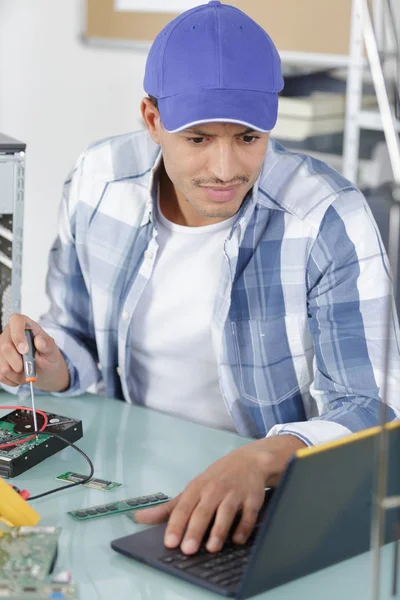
x=52, y=371
x=236, y=481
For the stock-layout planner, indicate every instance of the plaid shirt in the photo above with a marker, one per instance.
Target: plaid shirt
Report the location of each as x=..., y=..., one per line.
x=300, y=317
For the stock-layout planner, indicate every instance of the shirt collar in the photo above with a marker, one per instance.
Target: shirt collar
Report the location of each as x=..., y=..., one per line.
x=152, y=191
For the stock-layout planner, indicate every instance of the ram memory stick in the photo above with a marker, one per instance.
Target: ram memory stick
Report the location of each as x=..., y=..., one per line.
x=95, y=483
x=117, y=507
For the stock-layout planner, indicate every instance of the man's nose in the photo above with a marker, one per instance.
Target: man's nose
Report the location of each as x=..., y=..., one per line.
x=223, y=162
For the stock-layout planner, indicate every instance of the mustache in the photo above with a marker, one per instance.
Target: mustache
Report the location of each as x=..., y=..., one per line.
x=220, y=182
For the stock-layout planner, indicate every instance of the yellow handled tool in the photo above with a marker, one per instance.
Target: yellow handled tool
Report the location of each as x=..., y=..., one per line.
x=14, y=510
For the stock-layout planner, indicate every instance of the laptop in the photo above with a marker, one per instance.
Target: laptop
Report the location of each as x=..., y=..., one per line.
x=319, y=514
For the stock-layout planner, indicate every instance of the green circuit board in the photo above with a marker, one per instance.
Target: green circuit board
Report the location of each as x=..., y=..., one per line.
x=27, y=553
x=7, y=434
x=26, y=558
x=118, y=507
x=39, y=591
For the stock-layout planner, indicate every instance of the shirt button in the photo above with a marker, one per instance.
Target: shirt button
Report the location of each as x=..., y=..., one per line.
x=125, y=315
x=119, y=371
x=99, y=366
x=148, y=254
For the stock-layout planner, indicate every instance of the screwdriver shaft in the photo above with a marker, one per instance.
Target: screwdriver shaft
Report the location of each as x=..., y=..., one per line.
x=33, y=407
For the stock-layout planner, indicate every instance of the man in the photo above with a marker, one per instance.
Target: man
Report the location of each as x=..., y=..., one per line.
x=223, y=279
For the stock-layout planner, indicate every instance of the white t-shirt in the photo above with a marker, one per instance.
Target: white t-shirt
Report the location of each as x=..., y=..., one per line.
x=173, y=356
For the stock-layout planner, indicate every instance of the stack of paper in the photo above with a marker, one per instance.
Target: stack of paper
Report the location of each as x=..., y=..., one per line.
x=320, y=113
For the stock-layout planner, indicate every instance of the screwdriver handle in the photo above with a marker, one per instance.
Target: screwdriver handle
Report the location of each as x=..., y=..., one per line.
x=29, y=358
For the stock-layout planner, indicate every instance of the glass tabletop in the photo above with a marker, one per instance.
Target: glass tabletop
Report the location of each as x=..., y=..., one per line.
x=148, y=452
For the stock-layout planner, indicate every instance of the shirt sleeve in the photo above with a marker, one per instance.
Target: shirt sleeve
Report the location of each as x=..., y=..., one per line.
x=69, y=319
x=24, y=390
x=312, y=432
x=353, y=322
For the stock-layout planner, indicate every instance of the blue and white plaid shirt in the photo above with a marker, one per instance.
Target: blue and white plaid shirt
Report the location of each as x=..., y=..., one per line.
x=300, y=317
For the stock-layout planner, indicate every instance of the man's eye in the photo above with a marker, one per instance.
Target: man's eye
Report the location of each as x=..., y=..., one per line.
x=196, y=140
x=249, y=139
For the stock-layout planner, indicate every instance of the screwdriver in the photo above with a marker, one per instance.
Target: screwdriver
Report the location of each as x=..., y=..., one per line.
x=30, y=368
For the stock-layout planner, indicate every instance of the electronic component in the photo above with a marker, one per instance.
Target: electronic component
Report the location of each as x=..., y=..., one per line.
x=120, y=506
x=27, y=554
x=15, y=459
x=62, y=577
x=27, y=557
x=12, y=177
x=39, y=591
x=6, y=300
x=95, y=483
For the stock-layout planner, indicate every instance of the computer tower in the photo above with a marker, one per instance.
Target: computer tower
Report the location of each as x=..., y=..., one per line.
x=12, y=170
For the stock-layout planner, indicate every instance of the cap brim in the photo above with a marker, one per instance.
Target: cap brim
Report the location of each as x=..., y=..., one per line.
x=257, y=110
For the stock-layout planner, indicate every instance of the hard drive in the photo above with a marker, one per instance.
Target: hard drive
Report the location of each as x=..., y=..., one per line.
x=14, y=460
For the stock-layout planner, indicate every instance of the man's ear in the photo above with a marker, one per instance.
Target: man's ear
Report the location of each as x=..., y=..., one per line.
x=151, y=117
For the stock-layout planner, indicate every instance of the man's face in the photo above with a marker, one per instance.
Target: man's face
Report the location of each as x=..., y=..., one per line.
x=211, y=166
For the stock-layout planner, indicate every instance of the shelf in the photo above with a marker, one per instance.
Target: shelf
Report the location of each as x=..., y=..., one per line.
x=371, y=119
x=312, y=59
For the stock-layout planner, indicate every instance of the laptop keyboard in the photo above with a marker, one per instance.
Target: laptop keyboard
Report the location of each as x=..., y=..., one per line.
x=224, y=568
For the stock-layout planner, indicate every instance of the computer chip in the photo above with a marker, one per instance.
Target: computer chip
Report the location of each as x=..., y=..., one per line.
x=95, y=483
x=27, y=556
x=119, y=506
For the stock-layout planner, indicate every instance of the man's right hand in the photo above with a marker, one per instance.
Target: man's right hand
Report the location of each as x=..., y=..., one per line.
x=51, y=369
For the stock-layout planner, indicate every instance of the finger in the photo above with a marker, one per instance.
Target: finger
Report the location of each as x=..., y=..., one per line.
x=9, y=382
x=157, y=514
x=8, y=376
x=17, y=324
x=43, y=342
x=11, y=355
x=45, y=345
x=247, y=522
x=224, y=518
x=198, y=524
x=179, y=518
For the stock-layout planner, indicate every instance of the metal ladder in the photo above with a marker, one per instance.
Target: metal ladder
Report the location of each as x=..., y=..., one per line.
x=356, y=118
x=362, y=33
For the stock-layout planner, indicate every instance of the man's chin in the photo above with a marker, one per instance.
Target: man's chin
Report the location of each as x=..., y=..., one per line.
x=220, y=209
x=218, y=212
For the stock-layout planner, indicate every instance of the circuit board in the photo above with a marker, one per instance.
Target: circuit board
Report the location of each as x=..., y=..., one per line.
x=7, y=433
x=27, y=556
x=117, y=507
x=39, y=591
x=16, y=459
x=105, y=485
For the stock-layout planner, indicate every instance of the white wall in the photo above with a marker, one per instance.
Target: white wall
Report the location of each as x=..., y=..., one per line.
x=57, y=95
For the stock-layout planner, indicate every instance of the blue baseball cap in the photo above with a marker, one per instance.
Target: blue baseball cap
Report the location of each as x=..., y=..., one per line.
x=214, y=63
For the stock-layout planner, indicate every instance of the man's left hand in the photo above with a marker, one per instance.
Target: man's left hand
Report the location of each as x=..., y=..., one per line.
x=235, y=482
